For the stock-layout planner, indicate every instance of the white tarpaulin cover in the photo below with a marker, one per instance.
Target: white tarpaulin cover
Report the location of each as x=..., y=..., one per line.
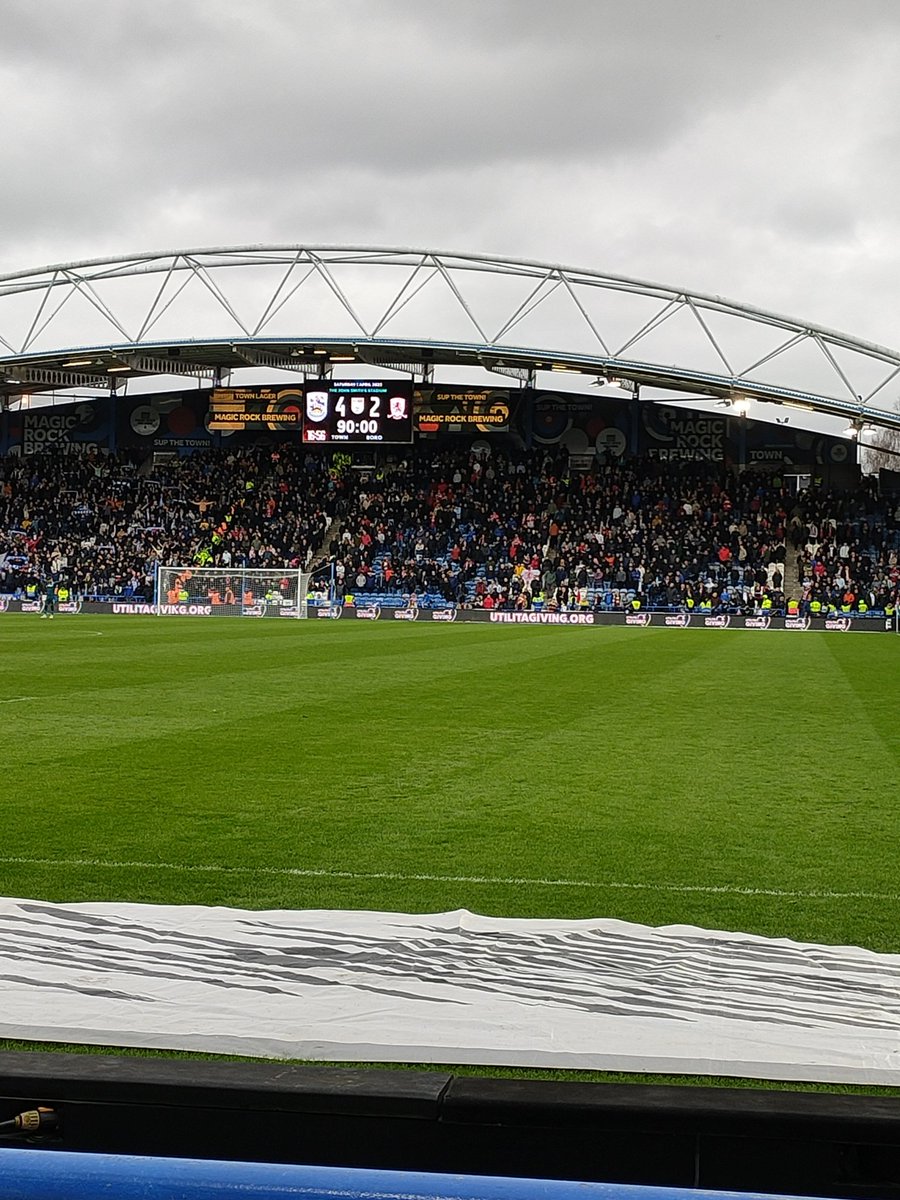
x=448, y=988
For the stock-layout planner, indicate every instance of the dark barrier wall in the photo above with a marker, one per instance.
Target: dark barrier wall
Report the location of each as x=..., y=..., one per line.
x=596, y=620
x=736, y=1139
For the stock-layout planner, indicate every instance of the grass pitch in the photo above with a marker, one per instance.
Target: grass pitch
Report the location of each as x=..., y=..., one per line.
x=733, y=780
x=739, y=780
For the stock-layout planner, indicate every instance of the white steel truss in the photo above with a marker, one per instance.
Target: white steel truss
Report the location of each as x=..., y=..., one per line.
x=201, y=311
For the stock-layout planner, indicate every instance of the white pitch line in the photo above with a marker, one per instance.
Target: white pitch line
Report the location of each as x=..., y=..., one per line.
x=19, y=699
x=400, y=876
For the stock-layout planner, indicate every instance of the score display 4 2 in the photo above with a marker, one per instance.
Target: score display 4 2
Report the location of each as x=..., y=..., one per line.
x=357, y=411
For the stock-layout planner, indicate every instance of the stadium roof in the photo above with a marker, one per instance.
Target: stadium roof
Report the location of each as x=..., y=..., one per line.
x=209, y=312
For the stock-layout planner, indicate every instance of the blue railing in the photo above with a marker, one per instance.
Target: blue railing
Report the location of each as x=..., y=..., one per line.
x=61, y=1175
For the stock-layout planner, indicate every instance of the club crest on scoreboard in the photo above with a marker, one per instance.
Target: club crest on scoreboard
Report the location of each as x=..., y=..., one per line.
x=316, y=406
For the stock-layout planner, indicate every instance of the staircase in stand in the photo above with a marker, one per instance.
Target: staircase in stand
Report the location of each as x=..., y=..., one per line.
x=793, y=584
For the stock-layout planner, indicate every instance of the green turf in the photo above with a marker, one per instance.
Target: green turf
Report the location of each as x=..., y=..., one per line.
x=736, y=780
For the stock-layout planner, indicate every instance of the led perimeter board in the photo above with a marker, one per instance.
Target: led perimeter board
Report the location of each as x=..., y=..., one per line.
x=355, y=410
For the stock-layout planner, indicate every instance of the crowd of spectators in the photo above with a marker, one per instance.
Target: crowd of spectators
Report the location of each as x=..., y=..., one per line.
x=103, y=521
x=848, y=551
x=513, y=529
x=519, y=529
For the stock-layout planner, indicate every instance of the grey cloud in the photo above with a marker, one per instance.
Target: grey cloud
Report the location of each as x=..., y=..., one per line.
x=400, y=85
x=742, y=149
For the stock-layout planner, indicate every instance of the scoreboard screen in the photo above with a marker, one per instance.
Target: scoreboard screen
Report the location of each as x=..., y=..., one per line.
x=353, y=410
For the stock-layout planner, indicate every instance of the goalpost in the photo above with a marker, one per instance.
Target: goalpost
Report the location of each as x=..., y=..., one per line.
x=231, y=591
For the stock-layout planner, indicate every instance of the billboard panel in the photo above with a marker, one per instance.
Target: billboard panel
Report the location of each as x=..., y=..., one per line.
x=70, y=428
x=444, y=409
x=582, y=423
x=232, y=410
x=173, y=420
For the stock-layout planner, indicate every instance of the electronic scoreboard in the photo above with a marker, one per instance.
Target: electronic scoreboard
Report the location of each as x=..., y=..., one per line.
x=353, y=410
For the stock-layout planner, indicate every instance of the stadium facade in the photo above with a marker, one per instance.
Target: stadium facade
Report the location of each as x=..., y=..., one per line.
x=588, y=425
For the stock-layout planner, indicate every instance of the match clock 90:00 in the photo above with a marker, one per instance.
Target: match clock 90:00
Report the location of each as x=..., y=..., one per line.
x=358, y=411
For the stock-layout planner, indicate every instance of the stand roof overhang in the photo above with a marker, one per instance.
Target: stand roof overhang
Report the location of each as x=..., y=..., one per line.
x=205, y=312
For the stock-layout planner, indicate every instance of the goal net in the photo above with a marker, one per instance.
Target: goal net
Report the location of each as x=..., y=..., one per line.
x=231, y=591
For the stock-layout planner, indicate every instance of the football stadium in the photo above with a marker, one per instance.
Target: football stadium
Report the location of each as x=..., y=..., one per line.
x=448, y=671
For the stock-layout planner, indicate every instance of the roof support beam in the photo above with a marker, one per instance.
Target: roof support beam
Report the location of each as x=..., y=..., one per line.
x=55, y=377
x=274, y=362
x=149, y=365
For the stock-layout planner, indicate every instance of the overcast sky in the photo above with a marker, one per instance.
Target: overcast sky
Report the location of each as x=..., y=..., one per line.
x=746, y=149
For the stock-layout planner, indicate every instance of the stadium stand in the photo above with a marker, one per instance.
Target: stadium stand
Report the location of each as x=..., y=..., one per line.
x=516, y=530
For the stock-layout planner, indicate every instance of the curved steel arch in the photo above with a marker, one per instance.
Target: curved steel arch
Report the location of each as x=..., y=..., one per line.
x=52, y=313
